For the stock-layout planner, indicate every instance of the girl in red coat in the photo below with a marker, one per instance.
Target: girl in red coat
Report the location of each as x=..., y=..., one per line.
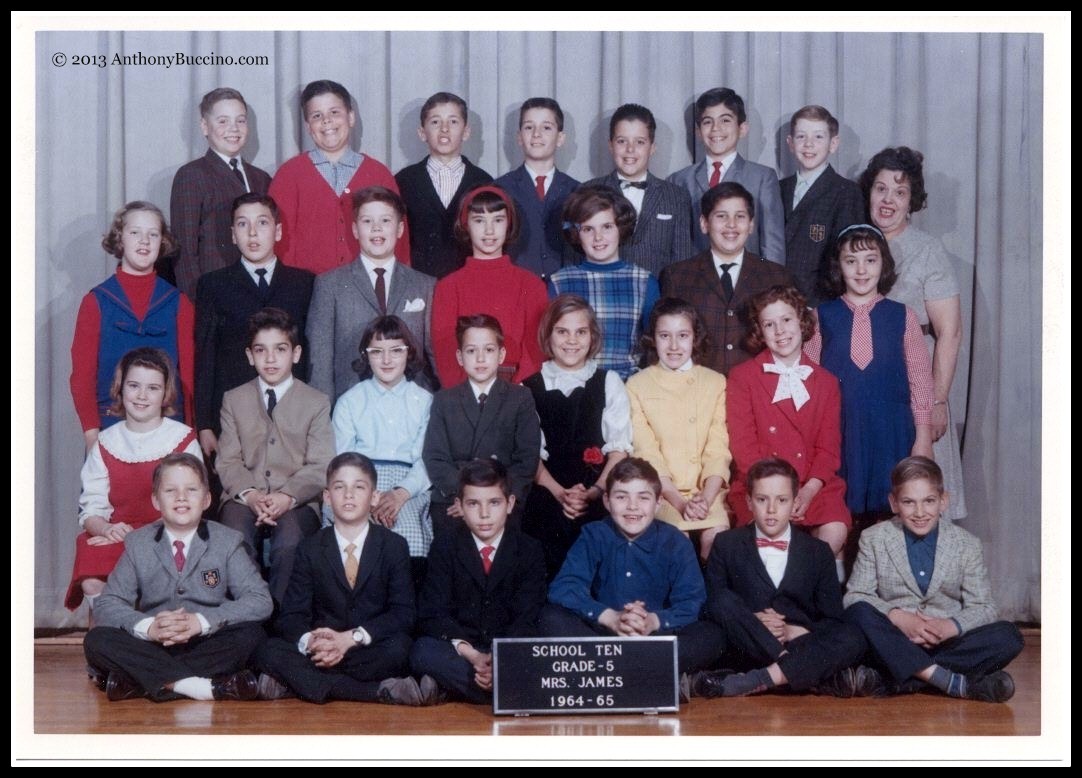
x=781, y=404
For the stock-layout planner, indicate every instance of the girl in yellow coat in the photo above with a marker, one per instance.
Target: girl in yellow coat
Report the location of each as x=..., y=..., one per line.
x=678, y=422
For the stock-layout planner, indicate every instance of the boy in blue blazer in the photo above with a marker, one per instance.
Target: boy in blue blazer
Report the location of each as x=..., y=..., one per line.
x=181, y=611
x=720, y=122
x=344, y=627
x=539, y=190
x=485, y=580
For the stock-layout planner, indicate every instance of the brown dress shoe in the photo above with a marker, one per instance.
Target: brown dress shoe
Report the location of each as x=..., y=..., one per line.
x=235, y=686
x=120, y=687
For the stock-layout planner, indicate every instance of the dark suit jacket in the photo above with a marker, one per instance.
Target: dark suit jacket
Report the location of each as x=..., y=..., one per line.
x=460, y=602
x=809, y=594
x=318, y=595
x=459, y=432
x=433, y=248
x=224, y=301
x=830, y=205
x=541, y=247
x=200, y=215
x=663, y=229
x=696, y=280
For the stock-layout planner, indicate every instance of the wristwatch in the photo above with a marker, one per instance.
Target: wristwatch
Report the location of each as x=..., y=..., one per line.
x=358, y=636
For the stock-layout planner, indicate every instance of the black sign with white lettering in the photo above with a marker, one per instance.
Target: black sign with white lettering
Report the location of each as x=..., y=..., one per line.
x=585, y=675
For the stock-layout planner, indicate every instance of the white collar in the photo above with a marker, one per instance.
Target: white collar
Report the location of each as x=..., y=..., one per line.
x=343, y=541
x=479, y=389
x=718, y=261
x=279, y=390
x=495, y=542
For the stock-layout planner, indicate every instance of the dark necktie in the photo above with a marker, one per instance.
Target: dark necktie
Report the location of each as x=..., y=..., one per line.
x=715, y=177
x=272, y=400
x=263, y=286
x=178, y=555
x=633, y=185
x=541, y=187
x=781, y=545
x=486, y=558
x=233, y=163
x=381, y=290
x=481, y=402
x=726, y=279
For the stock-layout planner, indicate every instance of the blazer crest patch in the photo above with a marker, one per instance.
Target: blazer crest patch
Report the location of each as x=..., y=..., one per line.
x=817, y=232
x=211, y=578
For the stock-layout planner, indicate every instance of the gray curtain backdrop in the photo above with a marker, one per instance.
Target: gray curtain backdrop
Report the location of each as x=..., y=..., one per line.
x=971, y=102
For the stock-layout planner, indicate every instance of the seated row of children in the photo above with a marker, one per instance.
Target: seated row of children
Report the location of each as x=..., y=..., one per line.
x=313, y=189
x=181, y=614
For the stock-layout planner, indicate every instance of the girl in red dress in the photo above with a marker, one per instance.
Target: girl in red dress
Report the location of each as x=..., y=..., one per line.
x=117, y=472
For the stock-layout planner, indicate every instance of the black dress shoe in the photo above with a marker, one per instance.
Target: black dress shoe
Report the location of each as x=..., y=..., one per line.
x=708, y=683
x=994, y=687
x=97, y=677
x=235, y=686
x=120, y=687
x=868, y=682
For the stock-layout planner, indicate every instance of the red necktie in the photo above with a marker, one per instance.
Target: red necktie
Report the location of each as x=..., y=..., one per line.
x=178, y=557
x=381, y=290
x=486, y=558
x=541, y=187
x=781, y=545
x=715, y=177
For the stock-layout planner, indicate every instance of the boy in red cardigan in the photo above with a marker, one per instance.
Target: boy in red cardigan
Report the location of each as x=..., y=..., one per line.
x=313, y=190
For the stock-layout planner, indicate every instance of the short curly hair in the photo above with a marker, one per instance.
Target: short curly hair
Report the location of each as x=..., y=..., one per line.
x=754, y=340
x=587, y=202
x=909, y=163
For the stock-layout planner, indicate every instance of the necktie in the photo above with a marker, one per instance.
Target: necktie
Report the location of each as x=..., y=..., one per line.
x=481, y=401
x=263, y=286
x=726, y=279
x=633, y=185
x=781, y=545
x=272, y=400
x=790, y=382
x=178, y=555
x=861, y=348
x=381, y=290
x=486, y=558
x=715, y=177
x=352, y=565
x=233, y=163
x=799, y=190
x=541, y=187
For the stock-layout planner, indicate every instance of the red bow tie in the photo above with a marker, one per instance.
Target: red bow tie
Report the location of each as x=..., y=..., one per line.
x=781, y=545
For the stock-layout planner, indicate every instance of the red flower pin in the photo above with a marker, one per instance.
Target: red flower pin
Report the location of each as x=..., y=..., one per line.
x=593, y=456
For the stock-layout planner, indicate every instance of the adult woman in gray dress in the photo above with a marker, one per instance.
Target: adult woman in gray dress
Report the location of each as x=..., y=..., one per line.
x=893, y=186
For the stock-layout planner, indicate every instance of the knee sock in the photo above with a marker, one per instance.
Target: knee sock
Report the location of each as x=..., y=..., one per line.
x=740, y=684
x=839, y=565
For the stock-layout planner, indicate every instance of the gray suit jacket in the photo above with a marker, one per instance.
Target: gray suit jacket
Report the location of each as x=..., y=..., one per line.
x=343, y=303
x=219, y=580
x=662, y=230
x=959, y=588
x=768, y=239
x=287, y=452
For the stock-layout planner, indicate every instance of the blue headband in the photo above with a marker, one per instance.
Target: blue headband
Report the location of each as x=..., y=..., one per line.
x=852, y=227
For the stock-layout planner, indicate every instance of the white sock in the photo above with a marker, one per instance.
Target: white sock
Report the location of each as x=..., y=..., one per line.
x=839, y=565
x=194, y=687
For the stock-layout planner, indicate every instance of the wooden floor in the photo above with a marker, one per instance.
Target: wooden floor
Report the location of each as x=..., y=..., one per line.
x=65, y=702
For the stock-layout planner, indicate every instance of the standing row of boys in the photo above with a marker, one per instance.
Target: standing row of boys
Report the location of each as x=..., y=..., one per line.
x=490, y=322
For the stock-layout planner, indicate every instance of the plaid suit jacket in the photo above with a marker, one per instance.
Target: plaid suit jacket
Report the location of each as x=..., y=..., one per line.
x=696, y=280
x=200, y=215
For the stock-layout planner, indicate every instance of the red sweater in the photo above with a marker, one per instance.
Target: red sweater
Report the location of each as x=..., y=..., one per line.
x=84, y=347
x=516, y=297
x=317, y=225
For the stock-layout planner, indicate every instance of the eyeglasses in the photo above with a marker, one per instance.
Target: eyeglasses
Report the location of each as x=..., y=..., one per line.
x=395, y=352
